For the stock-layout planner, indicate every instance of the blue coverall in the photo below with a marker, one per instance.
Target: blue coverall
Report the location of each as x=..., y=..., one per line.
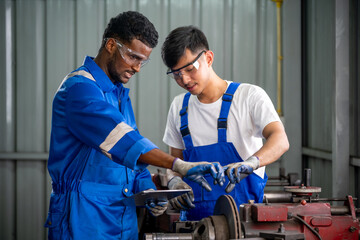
x=250, y=188
x=93, y=156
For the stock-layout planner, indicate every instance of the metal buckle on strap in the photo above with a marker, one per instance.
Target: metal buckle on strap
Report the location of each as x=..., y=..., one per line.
x=227, y=97
x=222, y=123
x=183, y=111
x=184, y=130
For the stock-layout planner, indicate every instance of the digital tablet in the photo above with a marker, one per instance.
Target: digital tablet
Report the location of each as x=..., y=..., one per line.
x=141, y=198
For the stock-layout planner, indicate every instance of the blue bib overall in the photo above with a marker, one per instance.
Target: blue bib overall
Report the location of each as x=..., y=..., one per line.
x=250, y=188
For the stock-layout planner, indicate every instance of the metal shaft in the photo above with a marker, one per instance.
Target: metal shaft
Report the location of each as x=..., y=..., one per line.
x=307, y=177
x=168, y=236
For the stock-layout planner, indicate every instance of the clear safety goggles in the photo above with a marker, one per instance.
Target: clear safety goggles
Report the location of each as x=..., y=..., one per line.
x=186, y=70
x=130, y=56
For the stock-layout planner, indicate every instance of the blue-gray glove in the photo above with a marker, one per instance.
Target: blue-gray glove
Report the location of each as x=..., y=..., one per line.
x=156, y=208
x=239, y=170
x=195, y=171
x=184, y=201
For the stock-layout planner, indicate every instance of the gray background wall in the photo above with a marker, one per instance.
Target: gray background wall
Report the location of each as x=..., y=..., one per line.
x=43, y=40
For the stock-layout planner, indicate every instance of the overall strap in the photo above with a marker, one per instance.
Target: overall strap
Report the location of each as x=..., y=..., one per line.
x=184, y=129
x=224, y=112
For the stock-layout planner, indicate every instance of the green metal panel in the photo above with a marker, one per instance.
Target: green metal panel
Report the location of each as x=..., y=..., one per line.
x=89, y=27
x=291, y=84
x=7, y=201
x=7, y=74
x=30, y=76
x=320, y=169
x=254, y=44
x=212, y=24
x=182, y=13
x=355, y=96
x=267, y=56
x=321, y=75
x=245, y=39
x=60, y=50
x=355, y=78
x=31, y=199
x=7, y=120
x=151, y=94
x=30, y=113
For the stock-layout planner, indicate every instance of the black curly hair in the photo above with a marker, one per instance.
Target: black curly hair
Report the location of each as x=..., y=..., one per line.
x=132, y=25
x=180, y=39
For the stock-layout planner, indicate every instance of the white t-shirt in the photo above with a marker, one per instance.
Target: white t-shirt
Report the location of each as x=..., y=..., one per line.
x=250, y=111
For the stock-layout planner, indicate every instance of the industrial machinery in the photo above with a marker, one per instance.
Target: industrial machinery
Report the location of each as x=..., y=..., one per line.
x=296, y=213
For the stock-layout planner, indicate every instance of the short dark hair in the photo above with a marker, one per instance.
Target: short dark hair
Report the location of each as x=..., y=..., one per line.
x=180, y=39
x=132, y=25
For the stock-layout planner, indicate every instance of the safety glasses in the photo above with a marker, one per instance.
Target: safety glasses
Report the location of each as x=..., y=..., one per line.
x=130, y=56
x=186, y=70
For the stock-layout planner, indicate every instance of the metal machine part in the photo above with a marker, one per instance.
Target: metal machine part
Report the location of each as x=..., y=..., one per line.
x=226, y=206
x=277, y=197
x=307, y=177
x=296, y=213
x=223, y=225
x=302, y=189
x=287, y=221
x=315, y=220
x=291, y=179
x=146, y=196
x=168, y=236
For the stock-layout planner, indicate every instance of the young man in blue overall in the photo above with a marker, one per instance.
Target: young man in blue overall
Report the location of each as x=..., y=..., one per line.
x=97, y=156
x=217, y=120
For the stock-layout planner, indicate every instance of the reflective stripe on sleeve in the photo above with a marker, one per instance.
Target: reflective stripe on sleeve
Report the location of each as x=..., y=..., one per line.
x=114, y=136
x=80, y=72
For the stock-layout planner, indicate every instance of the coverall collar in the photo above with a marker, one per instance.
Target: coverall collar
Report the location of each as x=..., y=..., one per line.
x=101, y=78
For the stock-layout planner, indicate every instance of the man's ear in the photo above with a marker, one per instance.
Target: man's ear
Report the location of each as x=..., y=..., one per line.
x=209, y=57
x=110, y=45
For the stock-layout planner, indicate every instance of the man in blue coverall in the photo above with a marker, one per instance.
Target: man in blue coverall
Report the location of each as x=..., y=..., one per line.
x=97, y=156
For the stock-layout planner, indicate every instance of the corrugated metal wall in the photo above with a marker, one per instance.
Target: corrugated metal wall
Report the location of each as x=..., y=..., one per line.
x=42, y=40
x=331, y=89
x=321, y=73
x=354, y=96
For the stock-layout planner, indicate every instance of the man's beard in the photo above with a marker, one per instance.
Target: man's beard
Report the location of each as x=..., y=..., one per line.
x=114, y=76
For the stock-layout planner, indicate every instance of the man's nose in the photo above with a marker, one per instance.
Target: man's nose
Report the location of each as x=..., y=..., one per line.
x=185, y=79
x=136, y=67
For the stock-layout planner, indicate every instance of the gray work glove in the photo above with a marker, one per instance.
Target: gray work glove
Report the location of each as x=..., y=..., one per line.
x=184, y=201
x=195, y=171
x=156, y=208
x=239, y=170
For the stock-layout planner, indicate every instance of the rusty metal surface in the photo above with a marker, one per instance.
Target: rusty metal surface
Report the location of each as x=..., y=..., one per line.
x=269, y=213
x=225, y=205
x=302, y=189
x=221, y=227
x=309, y=219
x=204, y=230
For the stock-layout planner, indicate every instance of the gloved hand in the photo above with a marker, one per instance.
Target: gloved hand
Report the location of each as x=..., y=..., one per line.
x=195, y=171
x=239, y=170
x=156, y=208
x=184, y=201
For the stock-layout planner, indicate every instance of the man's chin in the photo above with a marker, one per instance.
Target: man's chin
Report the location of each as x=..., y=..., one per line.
x=124, y=80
